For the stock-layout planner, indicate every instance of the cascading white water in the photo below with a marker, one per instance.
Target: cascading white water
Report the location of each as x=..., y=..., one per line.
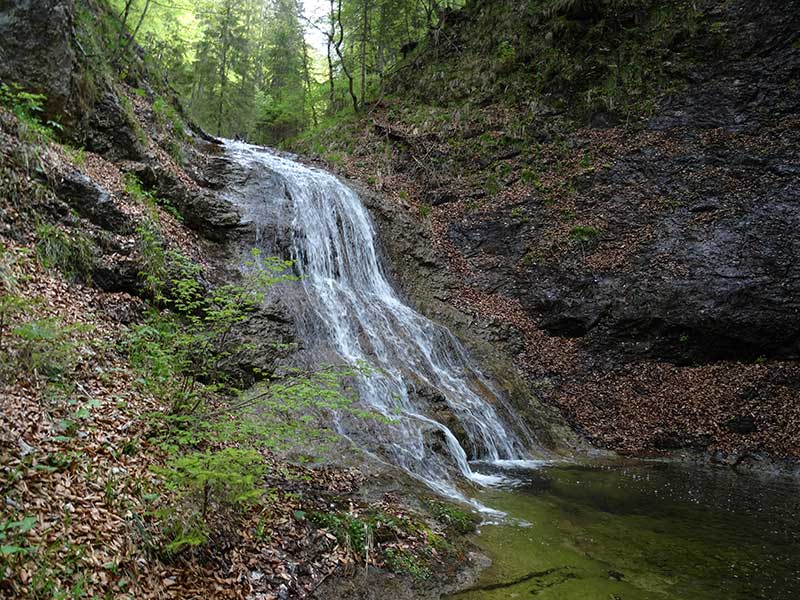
x=353, y=312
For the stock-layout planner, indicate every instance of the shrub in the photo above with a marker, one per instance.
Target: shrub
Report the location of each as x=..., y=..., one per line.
x=214, y=433
x=229, y=478
x=153, y=256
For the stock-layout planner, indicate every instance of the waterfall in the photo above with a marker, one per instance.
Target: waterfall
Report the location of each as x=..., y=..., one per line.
x=349, y=311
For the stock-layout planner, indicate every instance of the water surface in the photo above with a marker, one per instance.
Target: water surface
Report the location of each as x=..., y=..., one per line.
x=643, y=531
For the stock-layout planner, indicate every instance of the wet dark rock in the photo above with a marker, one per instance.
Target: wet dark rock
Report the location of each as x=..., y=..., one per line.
x=420, y=273
x=438, y=410
x=118, y=267
x=144, y=172
x=669, y=439
x=117, y=274
x=732, y=288
x=215, y=173
x=728, y=459
x=93, y=203
x=40, y=52
x=204, y=210
x=604, y=120
x=746, y=88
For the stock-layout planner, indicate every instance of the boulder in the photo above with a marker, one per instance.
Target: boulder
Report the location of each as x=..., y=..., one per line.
x=36, y=51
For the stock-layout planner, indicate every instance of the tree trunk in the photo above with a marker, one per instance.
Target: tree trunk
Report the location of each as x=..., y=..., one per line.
x=338, y=49
x=223, y=67
x=364, y=29
x=331, y=36
x=307, y=76
x=124, y=48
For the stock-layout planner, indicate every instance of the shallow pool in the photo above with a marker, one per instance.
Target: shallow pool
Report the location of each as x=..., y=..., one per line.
x=642, y=531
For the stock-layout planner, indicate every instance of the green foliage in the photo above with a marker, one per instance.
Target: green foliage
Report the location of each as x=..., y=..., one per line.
x=78, y=155
x=492, y=185
x=134, y=187
x=11, y=303
x=150, y=246
x=175, y=351
x=528, y=176
x=424, y=210
x=13, y=542
x=351, y=532
x=56, y=568
x=578, y=57
x=506, y=54
x=213, y=432
x=583, y=234
x=403, y=561
x=229, y=479
x=453, y=517
x=580, y=8
x=72, y=254
x=44, y=346
x=167, y=114
x=28, y=107
x=354, y=532
x=243, y=67
x=58, y=572
x=279, y=118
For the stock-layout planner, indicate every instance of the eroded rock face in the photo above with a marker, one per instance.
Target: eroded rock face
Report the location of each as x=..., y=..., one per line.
x=36, y=49
x=422, y=275
x=265, y=337
x=695, y=254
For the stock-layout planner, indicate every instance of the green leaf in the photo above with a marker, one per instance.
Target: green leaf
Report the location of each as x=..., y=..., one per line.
x=26, y=524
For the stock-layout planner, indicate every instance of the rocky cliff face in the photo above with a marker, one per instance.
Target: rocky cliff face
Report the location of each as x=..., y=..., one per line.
x=683, y=231
x=639, y=265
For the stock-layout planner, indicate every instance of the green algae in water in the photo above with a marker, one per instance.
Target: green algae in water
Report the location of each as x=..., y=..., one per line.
x=643, y=532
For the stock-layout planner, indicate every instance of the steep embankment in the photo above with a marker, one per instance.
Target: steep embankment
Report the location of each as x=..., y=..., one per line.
x=611, y=189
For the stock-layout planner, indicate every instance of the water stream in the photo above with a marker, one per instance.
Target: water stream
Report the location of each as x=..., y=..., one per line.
x=349, y=312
